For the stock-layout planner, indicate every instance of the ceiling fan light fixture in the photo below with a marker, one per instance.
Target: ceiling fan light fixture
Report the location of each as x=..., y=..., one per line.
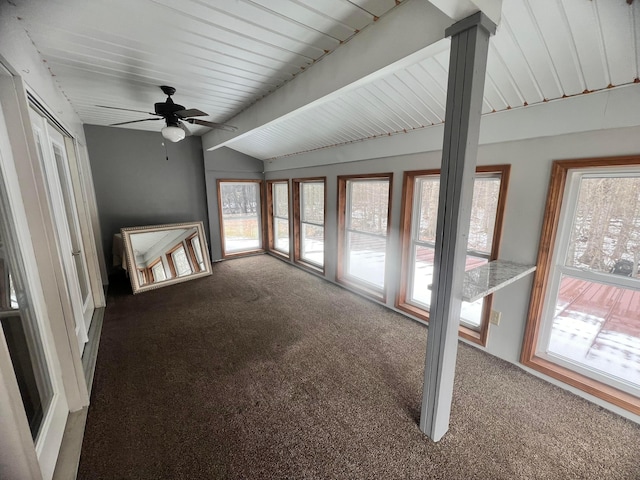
x=173, y=134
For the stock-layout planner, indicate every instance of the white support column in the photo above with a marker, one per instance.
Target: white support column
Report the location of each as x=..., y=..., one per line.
x=467, y=68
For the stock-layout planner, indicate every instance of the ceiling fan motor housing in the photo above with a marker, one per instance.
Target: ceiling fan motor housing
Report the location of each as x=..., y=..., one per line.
x=167, y=109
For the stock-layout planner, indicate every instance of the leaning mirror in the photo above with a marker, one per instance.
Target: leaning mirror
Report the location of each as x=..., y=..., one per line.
x=162, y=255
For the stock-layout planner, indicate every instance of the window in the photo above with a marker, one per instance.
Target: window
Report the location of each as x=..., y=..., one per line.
x=363, y=224
x=157, y=271
x=420, y=213
x=309, y=207
x=195, y=252
x=240, y=216
x=278, y=214
x=24, y=343
x=178, y=262
x=584, y=319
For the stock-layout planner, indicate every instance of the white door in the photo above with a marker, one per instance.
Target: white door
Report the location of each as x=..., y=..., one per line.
x=51, y=148
x=26, y=331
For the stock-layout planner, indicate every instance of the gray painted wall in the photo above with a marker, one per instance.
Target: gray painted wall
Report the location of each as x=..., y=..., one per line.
x=530, y=161
x=226, y=164
x=530, y=170
x=136, y=185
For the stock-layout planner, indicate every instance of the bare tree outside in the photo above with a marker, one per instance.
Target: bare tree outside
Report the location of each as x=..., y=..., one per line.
x=369, y=205
x=239, y=198
x=313, y=202
x=606, y=230
x=486, y=191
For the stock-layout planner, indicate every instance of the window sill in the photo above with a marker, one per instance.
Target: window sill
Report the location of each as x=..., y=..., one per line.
x=463, y=332
x=586, y=384
x=363, y=289
x=242, y=254
x=310, y=266
x=278, y=253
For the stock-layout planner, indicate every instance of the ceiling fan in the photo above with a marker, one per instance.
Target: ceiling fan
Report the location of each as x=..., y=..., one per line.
x=174, y=115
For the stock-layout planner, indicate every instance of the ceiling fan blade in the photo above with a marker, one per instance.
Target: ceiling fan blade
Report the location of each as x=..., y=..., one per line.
x=134, y=121
x=125, y=109
x=219, y=126
x=190, y=112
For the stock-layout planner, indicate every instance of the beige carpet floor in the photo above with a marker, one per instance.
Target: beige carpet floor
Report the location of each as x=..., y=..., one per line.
x=264, y=371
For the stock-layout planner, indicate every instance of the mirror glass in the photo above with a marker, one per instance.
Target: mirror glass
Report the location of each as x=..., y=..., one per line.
x=163, y=255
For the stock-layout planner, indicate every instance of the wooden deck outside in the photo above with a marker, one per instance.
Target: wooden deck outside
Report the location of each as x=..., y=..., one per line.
x=619, y=308
x=615, y=312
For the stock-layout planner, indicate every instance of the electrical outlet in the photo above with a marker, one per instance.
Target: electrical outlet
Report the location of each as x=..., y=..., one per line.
x=495, y=317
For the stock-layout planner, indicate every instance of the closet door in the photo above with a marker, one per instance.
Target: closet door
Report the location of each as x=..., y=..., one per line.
x=51, y=149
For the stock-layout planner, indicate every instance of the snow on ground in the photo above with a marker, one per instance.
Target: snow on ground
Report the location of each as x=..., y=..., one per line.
x=581, y=338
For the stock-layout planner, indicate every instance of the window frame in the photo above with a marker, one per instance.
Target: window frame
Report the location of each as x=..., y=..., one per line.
x=343, y=202
x=153, y=264
x=271, y=218
x=142, y=272
x=402, y=303
x=191, y=250
x=261, y=217
x=297, y=223
x=551, y=229
x=172, y=262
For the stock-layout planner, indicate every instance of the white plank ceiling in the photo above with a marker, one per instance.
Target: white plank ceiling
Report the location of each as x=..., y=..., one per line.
x=223, y=56
x=543, y=50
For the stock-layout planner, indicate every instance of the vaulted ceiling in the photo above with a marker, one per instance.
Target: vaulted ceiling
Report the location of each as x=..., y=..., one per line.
x=223, y=57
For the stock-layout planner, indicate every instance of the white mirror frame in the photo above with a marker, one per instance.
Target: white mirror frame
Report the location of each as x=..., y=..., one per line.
x=131, y=263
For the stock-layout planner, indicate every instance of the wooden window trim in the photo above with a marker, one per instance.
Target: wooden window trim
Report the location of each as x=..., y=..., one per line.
x=191, y=258
x=192, y=253
x=297, y=222
x=380, y=295
x=481, y=336
x=144, y=272
x=150, y=268
x=269, y=207
x=528, y=357
x=262, y=217
x=5, y=300
x=172, y=266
